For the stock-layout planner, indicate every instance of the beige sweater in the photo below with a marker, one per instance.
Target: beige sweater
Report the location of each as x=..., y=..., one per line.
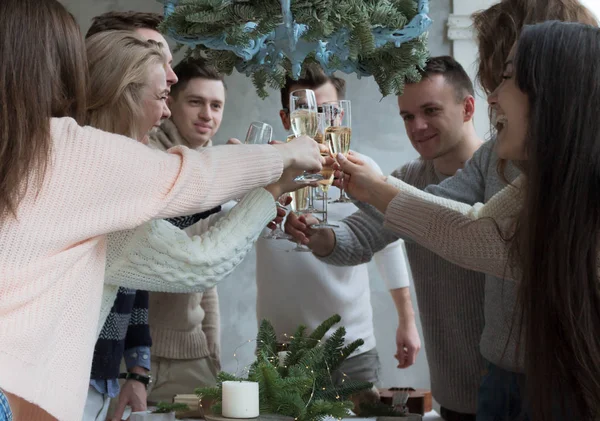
x=184, y=326
x=470, y=236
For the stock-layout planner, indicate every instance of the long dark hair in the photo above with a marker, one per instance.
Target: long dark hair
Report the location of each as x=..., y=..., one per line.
x=42, y=75
x=557, y=66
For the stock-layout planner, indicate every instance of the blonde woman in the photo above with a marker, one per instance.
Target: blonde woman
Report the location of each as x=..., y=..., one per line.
x=63, y=187
x=128, y=91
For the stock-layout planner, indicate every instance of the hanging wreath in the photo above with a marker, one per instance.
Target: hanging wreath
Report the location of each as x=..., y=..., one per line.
x=269, y=39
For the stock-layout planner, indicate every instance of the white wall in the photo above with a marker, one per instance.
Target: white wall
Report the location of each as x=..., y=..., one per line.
x=464, y=50
x=593, y=5
x=379, y=133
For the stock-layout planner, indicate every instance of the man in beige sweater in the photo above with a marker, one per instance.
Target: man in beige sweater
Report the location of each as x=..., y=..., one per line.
x=185, y=327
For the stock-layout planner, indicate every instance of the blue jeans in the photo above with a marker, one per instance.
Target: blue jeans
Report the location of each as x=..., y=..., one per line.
x=5, y=412
x=500, y=396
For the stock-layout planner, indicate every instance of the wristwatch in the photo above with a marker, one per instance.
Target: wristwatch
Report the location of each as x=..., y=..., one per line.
x=145, y=380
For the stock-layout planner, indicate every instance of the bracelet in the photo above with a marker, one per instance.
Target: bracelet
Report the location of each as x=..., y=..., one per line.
x=145, y=380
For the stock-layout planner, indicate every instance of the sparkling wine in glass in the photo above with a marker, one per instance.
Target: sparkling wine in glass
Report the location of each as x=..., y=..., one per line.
x=299, y=204
x=327, y=173
x=320, y=139
x=304, y=122
x=338, y=116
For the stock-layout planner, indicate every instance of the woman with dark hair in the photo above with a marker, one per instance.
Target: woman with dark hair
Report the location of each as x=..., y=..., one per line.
x=63, y=187
x=541, y=231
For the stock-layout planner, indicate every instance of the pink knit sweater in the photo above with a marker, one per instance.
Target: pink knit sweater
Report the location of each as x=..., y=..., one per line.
x=52, y=256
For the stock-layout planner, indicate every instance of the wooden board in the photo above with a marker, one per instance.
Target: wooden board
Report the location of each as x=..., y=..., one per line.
x=267, y=417
x=410, y=417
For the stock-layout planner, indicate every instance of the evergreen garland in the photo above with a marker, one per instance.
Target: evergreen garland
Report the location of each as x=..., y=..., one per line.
x=391, y=66
x=302, y=388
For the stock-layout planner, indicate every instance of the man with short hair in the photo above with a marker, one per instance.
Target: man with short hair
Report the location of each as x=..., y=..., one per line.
x=297, y=288
x=196, y=105
x=438, y=116
x=185, y=327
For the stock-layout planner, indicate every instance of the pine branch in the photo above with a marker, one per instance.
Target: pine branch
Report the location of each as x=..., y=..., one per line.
x=321, y=409
x=226, y=377
x=370, y=410
x=349, y=388
x=346, y=352
x=266, y=339
x=217, y=408
x=259, y=78
x=165, y=408
x=324, y=327
x=211, y=393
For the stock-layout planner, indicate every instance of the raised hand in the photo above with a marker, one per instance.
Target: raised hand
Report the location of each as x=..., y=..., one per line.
x=320, y=241
x=359, y=178
x=301, y=153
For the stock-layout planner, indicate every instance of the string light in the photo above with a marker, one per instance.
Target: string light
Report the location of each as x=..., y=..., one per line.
x=276, y=358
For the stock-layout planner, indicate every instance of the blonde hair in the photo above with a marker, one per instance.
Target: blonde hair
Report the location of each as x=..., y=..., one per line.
x=119, y=64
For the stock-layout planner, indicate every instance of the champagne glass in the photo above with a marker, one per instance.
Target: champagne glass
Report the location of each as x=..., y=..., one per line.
x=339, y=133
x=303, y=119
x=320, y=138
x=262, y=133
x=278, y=233
x=330, y=112
x=259, y=133
x=299, y=205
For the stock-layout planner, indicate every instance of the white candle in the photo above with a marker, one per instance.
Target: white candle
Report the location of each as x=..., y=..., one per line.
x=240, y=399
x=282, y=355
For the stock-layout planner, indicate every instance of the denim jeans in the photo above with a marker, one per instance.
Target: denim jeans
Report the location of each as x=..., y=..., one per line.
x=5, y=412
x=500, y=396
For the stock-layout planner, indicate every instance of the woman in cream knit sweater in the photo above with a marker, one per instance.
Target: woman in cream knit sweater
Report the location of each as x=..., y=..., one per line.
x=542, y=230
x=82, y=183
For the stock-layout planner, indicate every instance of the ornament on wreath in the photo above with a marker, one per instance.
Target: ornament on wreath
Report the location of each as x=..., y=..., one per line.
x=271, y=39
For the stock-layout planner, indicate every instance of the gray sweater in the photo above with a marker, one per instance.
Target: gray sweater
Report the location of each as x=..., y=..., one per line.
x=477, y=182
x=450, y=298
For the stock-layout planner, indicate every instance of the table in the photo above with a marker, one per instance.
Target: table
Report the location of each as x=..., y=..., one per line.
x=430, y=416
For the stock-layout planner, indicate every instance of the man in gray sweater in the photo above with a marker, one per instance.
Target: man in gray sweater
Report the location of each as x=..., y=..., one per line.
x=438, y=114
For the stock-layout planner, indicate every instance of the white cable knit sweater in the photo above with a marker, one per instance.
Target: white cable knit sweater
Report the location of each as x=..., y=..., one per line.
x=158, y=256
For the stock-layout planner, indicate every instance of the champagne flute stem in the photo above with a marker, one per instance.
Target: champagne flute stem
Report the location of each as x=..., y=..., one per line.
x=325, y=206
